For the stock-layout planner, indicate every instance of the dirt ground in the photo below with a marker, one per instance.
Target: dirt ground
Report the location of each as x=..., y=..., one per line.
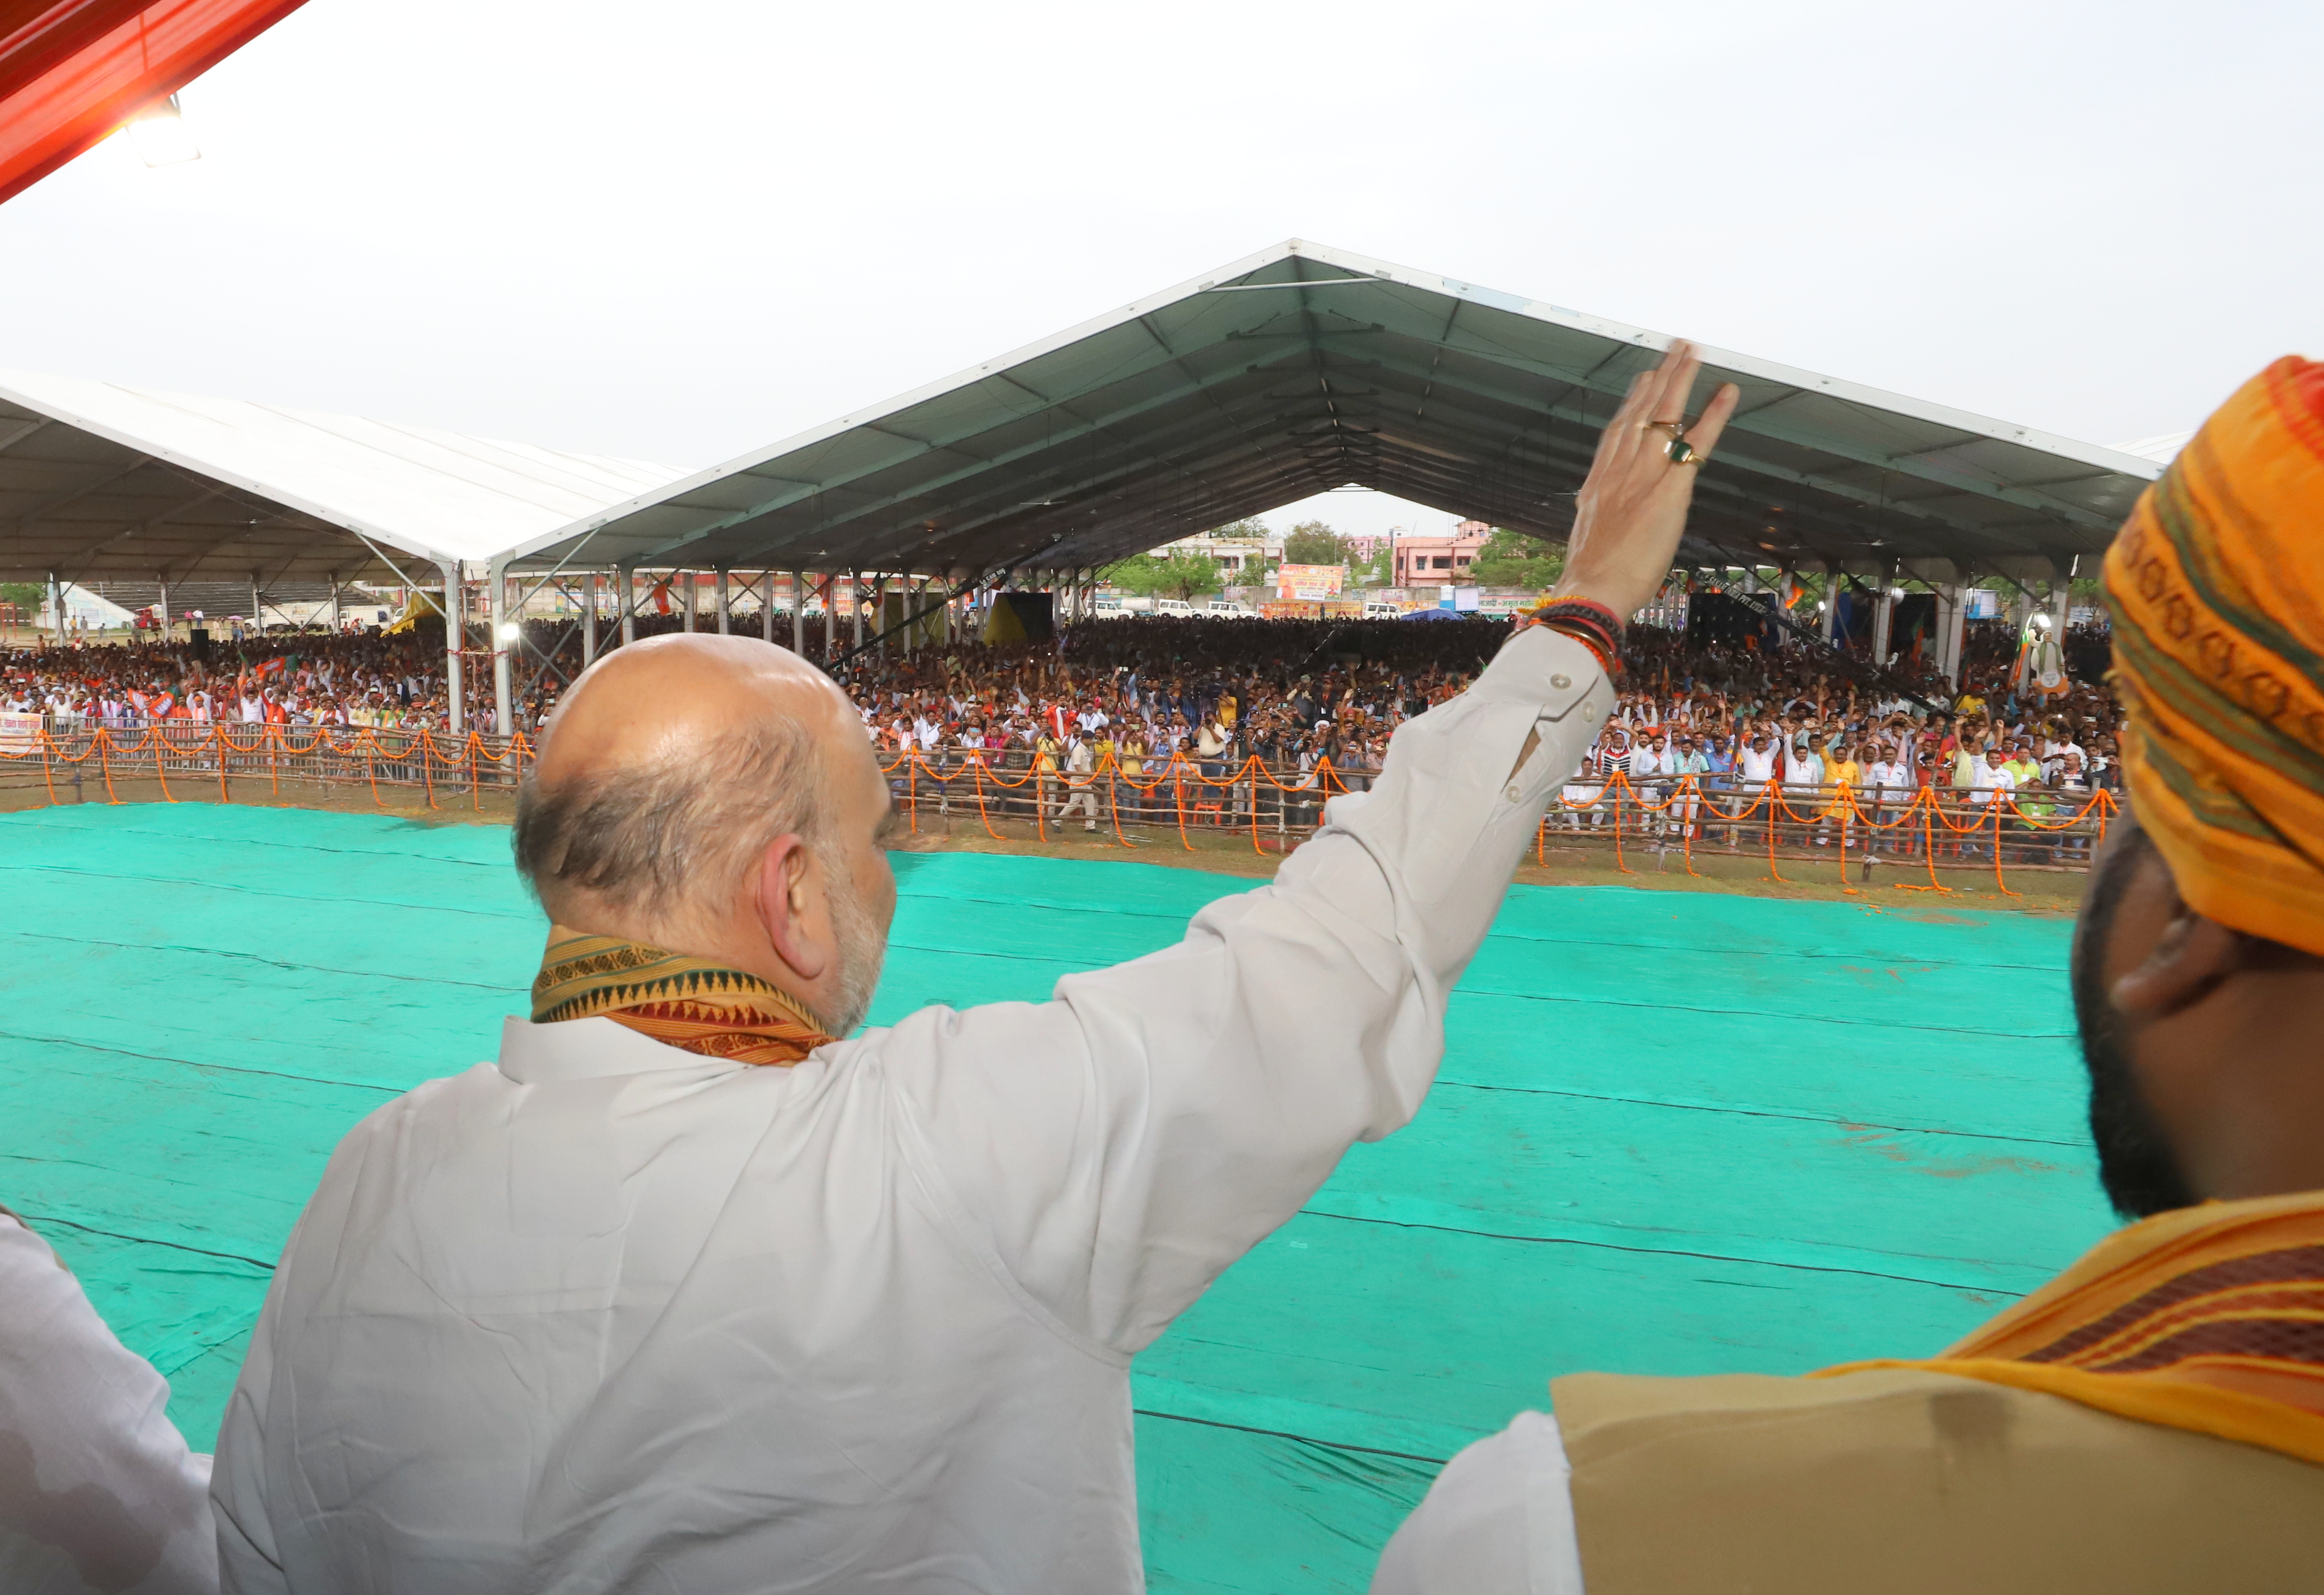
x=1648, y=868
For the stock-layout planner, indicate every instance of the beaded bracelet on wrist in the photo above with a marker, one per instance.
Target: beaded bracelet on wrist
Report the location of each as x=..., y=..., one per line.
x=1588, y=622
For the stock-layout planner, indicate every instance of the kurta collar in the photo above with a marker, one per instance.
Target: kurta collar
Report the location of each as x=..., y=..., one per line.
x=585, y=1049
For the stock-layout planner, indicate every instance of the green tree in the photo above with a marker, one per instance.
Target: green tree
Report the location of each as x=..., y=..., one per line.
x=1168, y=576
x=1512, y=559
x=27, y=596
x=1374, y=572
x=1311, y=542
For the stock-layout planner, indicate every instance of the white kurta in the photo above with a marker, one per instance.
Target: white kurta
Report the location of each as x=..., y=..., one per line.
x=98, y=1490
x=1498, y=1521
x=611, y=1316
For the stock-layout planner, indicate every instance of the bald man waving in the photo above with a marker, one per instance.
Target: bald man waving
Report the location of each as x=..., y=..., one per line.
x=688, y=1293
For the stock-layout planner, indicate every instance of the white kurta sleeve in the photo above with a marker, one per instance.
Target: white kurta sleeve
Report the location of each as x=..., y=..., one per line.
x=98, y=1490
x=1114, y=1149
x=248, y=1563
x=1498, y=1521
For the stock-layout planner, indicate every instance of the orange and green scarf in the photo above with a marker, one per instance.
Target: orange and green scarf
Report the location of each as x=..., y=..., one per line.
x=677, y=999
x=2211, y=1318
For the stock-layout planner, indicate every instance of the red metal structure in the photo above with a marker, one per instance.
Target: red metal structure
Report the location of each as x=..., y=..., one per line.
x=73, y=70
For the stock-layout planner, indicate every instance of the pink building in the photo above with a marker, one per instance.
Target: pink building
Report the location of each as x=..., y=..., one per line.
x=1438, y=561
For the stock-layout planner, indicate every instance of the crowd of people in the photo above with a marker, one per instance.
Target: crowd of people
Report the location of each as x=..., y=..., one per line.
x=1315, y=703
x=1311, y=702
x=355, y=678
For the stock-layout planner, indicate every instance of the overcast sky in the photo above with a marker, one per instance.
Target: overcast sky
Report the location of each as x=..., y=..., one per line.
x=682, y=231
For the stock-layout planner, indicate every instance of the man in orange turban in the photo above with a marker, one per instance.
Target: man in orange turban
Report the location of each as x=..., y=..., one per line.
x=2152, y=1419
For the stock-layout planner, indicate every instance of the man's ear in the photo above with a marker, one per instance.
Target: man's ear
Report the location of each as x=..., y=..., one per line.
x=783, y=894
x=2190, y=958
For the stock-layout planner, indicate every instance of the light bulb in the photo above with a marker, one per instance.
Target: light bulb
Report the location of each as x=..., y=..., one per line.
x=159, y=133
x=509, y=633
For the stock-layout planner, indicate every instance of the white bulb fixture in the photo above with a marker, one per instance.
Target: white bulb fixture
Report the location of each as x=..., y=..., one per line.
x=2040, y=623
x=159, y=133
x=509, y=633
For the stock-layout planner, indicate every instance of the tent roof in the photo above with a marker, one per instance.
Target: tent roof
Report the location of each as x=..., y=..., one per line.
x=1304, y=368
x=102, y=481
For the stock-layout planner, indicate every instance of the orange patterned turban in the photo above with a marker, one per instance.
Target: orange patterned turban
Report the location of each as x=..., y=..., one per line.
x=2216, y=585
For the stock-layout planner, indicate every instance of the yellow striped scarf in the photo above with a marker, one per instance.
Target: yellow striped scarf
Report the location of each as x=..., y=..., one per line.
x=676, y=999
x=2209, y=1318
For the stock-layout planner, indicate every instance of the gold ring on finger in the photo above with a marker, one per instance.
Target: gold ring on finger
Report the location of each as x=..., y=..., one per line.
x=1681, y=452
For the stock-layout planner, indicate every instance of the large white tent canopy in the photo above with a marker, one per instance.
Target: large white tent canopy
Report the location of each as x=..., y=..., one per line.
x=1304, y=368
x=1293, y=371
x=104, y=482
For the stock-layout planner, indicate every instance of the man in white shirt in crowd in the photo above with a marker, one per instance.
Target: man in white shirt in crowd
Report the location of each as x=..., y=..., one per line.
x=98, y=1490
x=1888, y=786
x=1589, y=795
x=1990, y=777
x=688, y=1293
x=1080, y=797
x=2056, y=748
x=1756, y=765
x=1652, y=764
x=1688, y=759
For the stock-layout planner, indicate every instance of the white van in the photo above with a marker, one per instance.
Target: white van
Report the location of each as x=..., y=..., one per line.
x=1177, y=606
x=1380, y=609
x=1230, y=608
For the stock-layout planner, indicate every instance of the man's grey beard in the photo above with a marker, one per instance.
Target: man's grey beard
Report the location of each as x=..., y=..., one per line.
x=862, y=948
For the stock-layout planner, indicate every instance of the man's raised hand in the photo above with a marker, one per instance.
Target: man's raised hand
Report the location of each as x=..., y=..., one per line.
x=1633, y=506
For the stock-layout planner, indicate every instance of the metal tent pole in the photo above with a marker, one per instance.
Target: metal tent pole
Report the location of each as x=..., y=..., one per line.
x=335, y=602
x=767, y=611
x=627, y=595
x=798, y=613
x=855, y=606
x=588, y=618
x=688, y=577
x=454, y=688
x=1951, y=620
x=257, y=621
x=57, y=606
x=164, y=578
x=504, y=720
x=725, y=601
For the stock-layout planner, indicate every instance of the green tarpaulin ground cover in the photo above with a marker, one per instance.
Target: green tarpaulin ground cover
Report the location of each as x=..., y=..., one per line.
x=1674, y=1133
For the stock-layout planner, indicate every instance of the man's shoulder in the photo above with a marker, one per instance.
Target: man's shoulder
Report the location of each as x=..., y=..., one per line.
x=1930, y=1480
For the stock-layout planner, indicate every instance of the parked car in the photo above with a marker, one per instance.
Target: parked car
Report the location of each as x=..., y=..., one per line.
x=1178, y=606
